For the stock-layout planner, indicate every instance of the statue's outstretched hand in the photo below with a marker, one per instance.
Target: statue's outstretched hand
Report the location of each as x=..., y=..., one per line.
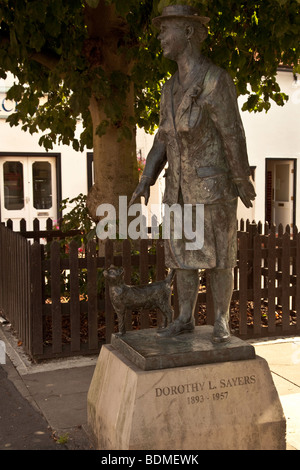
x=245, y=191
x=142, y=189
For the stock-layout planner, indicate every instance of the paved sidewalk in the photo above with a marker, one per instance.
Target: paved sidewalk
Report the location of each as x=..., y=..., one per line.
x=49, y=400
x=21, y=427
x=283, y=357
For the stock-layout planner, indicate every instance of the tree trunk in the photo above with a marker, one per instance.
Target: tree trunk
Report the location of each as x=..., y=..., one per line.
x=115, y=162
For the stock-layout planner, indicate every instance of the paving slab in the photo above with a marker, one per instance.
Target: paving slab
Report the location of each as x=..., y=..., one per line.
x=291, y=407
x=22, y=427
x=283, y=357
x=61, y=396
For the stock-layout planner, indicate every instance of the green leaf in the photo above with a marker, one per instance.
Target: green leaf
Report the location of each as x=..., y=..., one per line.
x=15, y=92
x=13, y=119
x=46, y=142
x=75, y=145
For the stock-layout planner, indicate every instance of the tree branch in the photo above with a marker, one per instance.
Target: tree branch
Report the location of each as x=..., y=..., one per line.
x=48, y=59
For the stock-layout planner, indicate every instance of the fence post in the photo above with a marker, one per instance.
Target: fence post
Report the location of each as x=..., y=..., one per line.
x=280, y=230
x=160, y=270
x=259, y=227
x=257, y=284
x=55, y=296
x=36, y=326
x=126, y=260
x=271, y=282
x=243, y=282
x=23, y=225
x=160, y=260
x=144, y=316
x=210, y=320
x=126, y=264
x=109, y=311
x=36, y=228
x=285, y=283
x=74, y=297
x=267, y=228
x=92, y=295
x=252, y=231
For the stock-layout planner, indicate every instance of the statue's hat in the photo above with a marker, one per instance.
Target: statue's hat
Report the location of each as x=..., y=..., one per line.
x=179, y=11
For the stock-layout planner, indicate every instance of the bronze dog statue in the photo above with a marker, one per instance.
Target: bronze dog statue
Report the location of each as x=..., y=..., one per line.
x=156, y=295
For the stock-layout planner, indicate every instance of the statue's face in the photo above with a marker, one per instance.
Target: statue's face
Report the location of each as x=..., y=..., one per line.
x=173, y=39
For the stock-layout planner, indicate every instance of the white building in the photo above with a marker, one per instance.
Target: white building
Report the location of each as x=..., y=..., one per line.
x=33, y=181
x=273, y=141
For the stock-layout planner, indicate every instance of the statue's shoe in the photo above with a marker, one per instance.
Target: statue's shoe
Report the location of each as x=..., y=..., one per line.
x=221, y=333
x=177, y=327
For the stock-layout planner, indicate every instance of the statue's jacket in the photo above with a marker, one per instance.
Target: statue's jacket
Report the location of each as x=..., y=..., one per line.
x=205, y=145
x=203, y=142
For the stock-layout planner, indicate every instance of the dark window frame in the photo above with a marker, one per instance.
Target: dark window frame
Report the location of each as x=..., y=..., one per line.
x=267, y=159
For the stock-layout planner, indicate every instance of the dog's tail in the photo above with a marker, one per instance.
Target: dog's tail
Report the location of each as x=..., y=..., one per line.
x=170, y=276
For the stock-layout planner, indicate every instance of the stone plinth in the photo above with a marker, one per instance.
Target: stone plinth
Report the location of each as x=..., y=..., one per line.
x=150, y=352
x=220, y=405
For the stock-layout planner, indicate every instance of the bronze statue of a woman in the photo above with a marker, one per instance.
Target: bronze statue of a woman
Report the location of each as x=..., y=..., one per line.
x=202, y=140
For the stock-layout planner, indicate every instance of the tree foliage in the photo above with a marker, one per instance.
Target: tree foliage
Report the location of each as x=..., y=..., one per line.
x=56, y=49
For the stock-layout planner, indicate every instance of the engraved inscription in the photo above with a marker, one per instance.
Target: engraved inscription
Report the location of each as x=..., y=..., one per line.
x=199, y=392
x=195, y=399
x=179, y=389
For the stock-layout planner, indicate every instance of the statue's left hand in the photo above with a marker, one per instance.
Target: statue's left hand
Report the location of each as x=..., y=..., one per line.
x=246, y=191
x=143, y=189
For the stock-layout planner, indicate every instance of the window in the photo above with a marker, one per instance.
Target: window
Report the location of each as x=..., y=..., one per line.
x=42, y=185
x=13, y=186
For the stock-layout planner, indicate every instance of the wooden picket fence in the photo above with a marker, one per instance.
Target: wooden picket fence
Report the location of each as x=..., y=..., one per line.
x=56, y=299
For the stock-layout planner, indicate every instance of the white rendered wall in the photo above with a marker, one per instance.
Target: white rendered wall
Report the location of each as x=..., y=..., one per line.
x=275, y=134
